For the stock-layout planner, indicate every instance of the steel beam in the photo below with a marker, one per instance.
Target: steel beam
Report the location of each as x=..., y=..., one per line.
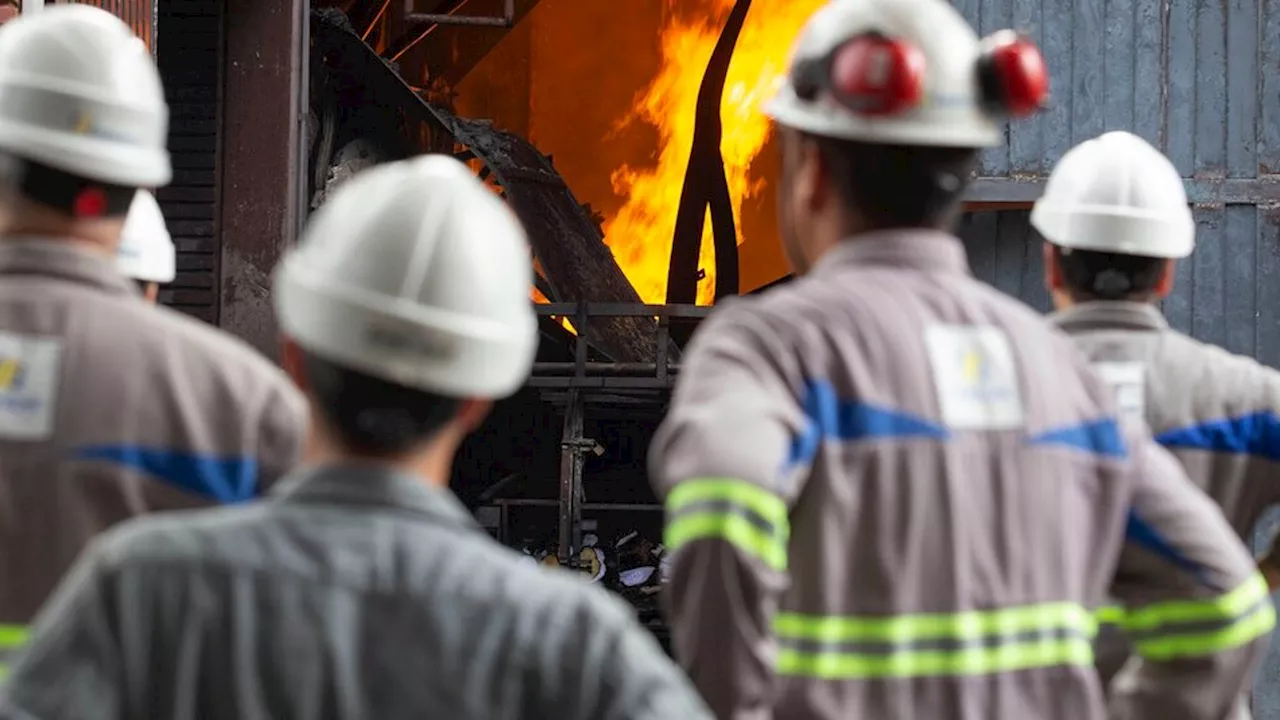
x=1022, y=192
x=571, y=462
x=264, y=93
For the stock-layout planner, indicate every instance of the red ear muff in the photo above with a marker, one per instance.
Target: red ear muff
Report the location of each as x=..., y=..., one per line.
x=91, y=202
x=870, y=74
x=876, y=76
x=1012, y=76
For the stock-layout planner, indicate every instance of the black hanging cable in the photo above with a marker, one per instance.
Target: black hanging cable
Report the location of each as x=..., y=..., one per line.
x=705, y=184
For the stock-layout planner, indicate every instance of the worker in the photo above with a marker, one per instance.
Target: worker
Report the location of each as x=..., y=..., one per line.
x=893, y=492
x=109, y=407
x=363, y=588
x=1115, y=220
x=146, y=251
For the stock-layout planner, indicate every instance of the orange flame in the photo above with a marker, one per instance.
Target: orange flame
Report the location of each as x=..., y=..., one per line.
x=541, y=299
x=640, y=233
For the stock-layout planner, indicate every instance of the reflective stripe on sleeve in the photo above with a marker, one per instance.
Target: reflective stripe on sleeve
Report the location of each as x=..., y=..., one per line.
x=1193, y=628
x=746, y=516
x=12, y=637
x=965, y=643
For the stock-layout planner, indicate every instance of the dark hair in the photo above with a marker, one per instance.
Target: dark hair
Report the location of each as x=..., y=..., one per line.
x=893, y=186
x=62, y=190
x=1091, y=275
x=373, y=417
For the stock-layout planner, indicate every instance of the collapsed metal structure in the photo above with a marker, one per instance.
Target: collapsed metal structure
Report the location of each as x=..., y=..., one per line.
x=623, y=353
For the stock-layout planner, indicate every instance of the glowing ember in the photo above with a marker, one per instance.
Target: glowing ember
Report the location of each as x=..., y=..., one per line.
x=640, y=233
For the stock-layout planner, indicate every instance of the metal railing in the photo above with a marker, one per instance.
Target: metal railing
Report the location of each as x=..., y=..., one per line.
x=584, y=374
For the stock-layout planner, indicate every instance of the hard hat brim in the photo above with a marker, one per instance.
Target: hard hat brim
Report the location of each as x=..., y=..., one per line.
x=1103, y=230
x=88, y=157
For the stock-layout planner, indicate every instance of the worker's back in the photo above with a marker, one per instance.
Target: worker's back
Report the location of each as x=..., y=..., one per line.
x=1215, y=411
x=354, y=592
x=110, y=407
x=958, y=488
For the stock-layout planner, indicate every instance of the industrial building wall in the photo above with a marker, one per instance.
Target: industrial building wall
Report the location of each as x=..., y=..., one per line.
x=189, y=50
x=1201, y=80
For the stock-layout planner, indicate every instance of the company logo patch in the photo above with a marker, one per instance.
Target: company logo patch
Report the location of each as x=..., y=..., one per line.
x=1128, y=381
x=975, y=377
x=29, y=375
x=12, y=375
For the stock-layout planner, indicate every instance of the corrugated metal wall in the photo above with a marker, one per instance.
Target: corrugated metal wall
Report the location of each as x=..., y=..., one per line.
x=1201, y=80
x=189, y=50
x=140, y=14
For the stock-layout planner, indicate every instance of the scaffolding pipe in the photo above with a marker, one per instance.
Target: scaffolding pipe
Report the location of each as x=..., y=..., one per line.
x=600, y=368
x=507, y=20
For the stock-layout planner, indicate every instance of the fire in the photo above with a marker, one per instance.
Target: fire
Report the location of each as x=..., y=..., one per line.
x=640, y=233
x=536, y=295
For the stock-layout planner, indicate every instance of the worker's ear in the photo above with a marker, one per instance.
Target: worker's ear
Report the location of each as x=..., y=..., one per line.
x=1165, y=285
x=1052, y=271
x=814, y=186
x=291, y=359
x=472, y=412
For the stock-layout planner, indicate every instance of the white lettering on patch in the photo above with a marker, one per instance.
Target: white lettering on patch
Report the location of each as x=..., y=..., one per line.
x=1128, y=381
x=976, y=377
x=29, y=374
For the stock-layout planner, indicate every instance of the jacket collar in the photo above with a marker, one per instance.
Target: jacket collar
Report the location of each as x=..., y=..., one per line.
x=371, y=485
x=1110, y=315
x=908, y=249
x=65, y=260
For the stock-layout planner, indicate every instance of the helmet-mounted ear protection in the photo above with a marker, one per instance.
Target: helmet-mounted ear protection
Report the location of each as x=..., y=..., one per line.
x=870, y=74
x=1012, y=78
x=874, y=75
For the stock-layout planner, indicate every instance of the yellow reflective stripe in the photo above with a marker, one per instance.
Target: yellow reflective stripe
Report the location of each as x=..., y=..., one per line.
x=1240, y=616
x=746, y=516
x=963, y=643
x=1110, y=615
x=12, y=636
x=733, y=529
x=1043, y=652
x=1250, y=628
x=754, y=498
x=1224, y=607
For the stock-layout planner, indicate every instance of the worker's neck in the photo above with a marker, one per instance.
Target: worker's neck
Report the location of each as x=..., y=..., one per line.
x=432, y=464
x=34, y=221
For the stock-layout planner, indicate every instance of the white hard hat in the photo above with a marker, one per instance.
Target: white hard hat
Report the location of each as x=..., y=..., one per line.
x=79, y=92
x=417, y=273
x=1116, y=193
x=146, y=250
x=906, y=72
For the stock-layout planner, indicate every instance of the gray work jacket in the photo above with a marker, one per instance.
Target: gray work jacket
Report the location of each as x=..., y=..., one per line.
x=893, y=492
x=111, y=408
x=1215, y=411
x=351, y=593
